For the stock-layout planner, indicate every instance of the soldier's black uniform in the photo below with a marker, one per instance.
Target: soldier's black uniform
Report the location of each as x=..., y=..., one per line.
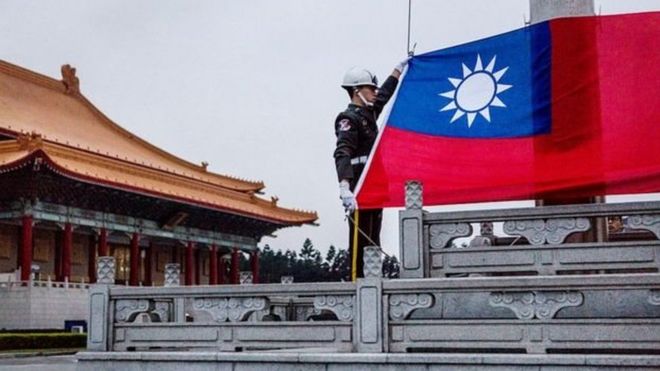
x=356, y=132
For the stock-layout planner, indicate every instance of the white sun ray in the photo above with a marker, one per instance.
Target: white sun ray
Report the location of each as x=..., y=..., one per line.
x=491, y=65
x=471, y=116
x=451, y=105
x=466, y=71
x=501, y=88
x=478, y=66
x=459, y=113
x=485, y=113
x=497, y=102
x=498, y=75
x=448, y=94
x=455, y=82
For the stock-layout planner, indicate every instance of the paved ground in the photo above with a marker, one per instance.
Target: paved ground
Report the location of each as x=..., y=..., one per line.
x=51, y=363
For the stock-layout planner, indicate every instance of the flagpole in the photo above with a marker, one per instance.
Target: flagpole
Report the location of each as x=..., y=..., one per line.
x=409, y=17
x=355, y=246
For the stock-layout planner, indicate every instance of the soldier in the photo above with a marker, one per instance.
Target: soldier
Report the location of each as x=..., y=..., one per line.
x=356, y=132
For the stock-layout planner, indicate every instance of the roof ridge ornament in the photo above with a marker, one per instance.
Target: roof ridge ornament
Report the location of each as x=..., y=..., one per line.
x=70, y=80
x=30, y=141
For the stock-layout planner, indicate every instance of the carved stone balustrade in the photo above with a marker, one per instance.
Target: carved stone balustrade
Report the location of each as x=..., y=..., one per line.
x=568, y=313
x=531, y=241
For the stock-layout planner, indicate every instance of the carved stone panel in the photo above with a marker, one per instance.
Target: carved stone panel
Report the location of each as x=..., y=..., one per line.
x=341, y=305
x=553, y=231
x=442, y=234
x=127, y=309
x=232, y=309
x=536, y=304
x=648, y=222
x=654, y=297
x=245, y=277
x=373, y=262
x=172, y=275
x=105, y=270
x=162, y=311
x=414, y=195
x=304, y=313
x=401, y=305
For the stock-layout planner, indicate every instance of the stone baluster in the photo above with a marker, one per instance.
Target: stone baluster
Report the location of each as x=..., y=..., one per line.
x=173, y=279
x=99, y=304
x=368, y=320
x=413, y=252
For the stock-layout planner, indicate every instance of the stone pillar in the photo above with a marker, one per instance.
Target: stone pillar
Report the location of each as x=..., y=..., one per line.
x=67, y=250
x=254, y=266
x=542, y=10
x=412, y=250
x=99, y=304
x=172, y=279
x=198, y=267
x=26, y=248
x=234, y=278
x=369, y=307
x=134, y=274
x=91, y=260
x=189, y=264
x=148, y=264
x=222, y=270
x=213, y=265
x=103, y=243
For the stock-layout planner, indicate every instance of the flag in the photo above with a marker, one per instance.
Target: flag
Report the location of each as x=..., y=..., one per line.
x=565, y=108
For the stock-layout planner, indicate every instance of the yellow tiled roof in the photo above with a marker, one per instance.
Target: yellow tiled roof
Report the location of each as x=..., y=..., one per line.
x=53, y=118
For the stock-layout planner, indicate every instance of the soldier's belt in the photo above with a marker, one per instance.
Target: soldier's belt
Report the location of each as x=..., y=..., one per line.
x=359, y=160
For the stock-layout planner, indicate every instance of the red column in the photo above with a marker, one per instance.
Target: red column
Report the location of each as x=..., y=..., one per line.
x=222, y=270
x=91, y=260
x=213, y=265
x=234, y=269
x=134, y=274
x=26, y=248
x=198, y=267
x=189, y=264
x=103, y=243
x=148, y=262
x=67, y=247
x=254, y=265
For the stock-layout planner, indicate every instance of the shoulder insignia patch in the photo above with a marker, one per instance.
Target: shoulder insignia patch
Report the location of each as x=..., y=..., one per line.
x=345, y=125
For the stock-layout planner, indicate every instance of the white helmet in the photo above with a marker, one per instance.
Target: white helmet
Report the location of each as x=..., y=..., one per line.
x=358, y=76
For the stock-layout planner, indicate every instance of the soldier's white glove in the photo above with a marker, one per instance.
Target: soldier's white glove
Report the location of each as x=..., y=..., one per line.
x=347, y=197
x=399, y=67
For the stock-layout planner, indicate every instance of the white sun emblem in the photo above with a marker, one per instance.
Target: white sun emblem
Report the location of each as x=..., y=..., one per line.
x=476, y=92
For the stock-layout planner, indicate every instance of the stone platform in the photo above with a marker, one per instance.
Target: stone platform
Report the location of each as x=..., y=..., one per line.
x=319, y=361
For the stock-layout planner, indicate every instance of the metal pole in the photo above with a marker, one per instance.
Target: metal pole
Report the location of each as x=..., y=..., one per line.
x=409, y=17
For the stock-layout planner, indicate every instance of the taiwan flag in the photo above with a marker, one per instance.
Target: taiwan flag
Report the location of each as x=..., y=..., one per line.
x=561, y=109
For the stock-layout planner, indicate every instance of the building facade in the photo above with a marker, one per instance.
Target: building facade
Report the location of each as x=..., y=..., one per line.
x=74, y=186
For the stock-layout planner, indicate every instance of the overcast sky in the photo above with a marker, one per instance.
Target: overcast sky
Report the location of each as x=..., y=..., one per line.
x=252, y=87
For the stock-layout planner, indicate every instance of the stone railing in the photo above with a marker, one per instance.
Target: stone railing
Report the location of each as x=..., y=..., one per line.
x=550, y=240
x=585, y=313
x=45, y=284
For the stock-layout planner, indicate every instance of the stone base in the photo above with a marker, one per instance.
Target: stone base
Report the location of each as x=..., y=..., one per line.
x=322, y=360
